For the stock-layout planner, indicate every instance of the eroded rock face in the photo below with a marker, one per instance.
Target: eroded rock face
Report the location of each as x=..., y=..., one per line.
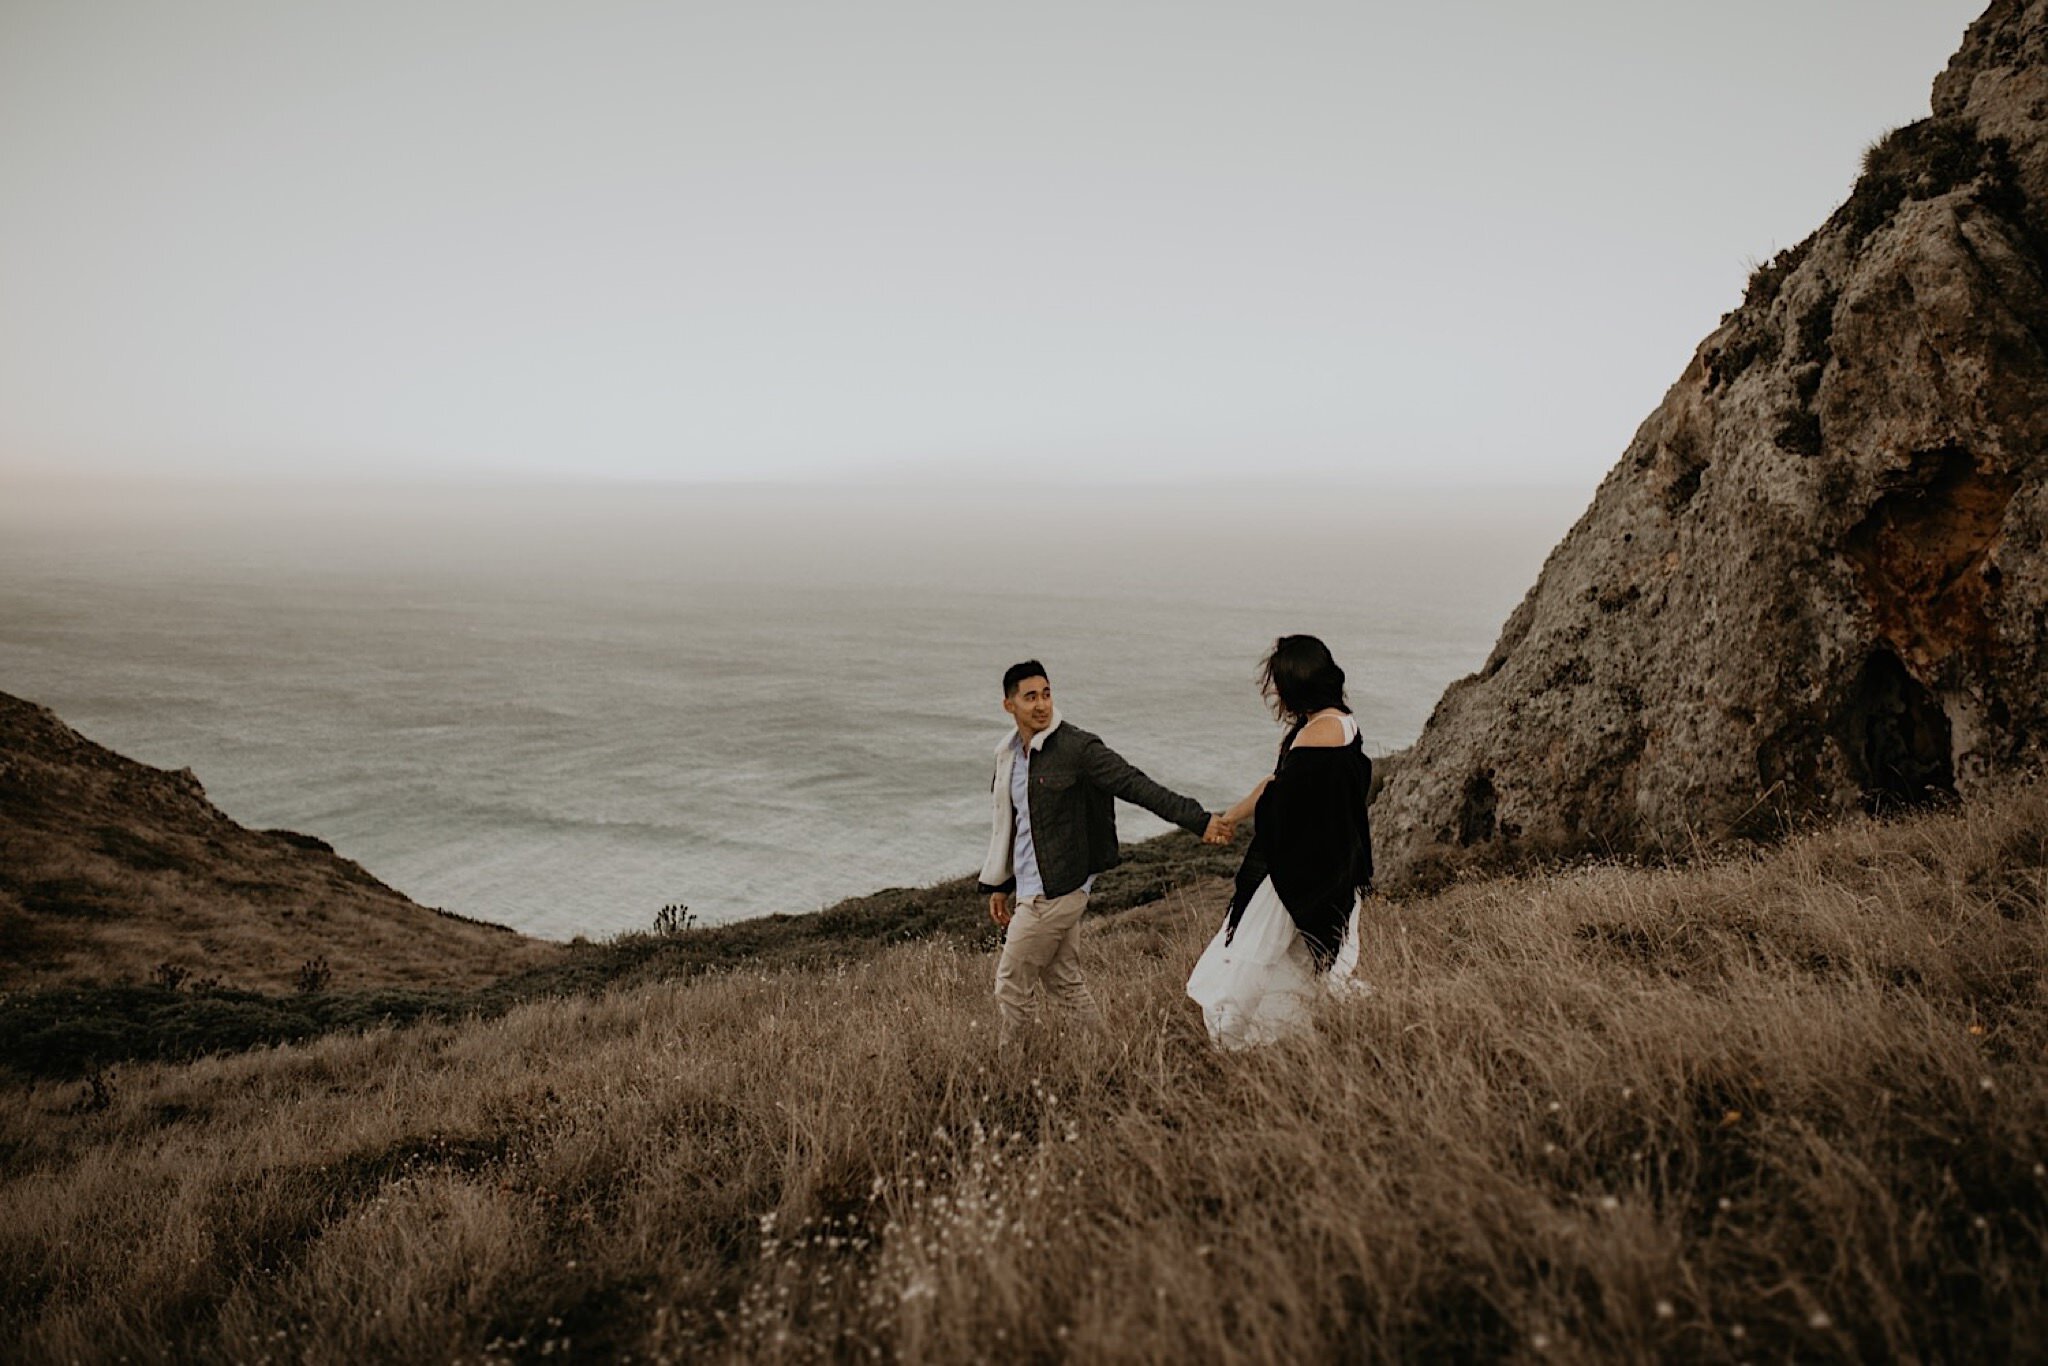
x=1816, y=580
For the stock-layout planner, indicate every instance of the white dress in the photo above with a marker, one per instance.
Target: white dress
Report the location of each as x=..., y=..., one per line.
x=1262, y=985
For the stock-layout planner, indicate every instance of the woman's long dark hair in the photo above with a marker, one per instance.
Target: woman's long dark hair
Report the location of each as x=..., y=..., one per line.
x=1298, y=679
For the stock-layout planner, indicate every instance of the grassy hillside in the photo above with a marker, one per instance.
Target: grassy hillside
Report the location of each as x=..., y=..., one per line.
x=111, y=870
x=1788, y=1105
x=79, y=1029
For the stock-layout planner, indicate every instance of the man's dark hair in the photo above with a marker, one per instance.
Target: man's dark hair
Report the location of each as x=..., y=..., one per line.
x=1299, y=678
x=1017, y=673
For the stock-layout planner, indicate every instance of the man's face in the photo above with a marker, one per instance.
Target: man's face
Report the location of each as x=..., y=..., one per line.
x=1031, y=704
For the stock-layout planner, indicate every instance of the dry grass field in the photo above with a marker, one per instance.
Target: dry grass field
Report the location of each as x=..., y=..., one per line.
x=1790, y=1104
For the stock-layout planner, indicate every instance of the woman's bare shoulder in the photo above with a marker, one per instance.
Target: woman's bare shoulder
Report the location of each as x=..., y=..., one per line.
x=1325, y=732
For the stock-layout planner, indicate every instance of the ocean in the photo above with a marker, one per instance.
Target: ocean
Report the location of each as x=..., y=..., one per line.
x=561, y=708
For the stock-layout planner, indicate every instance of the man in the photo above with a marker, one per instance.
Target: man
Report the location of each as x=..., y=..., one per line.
x=1055, y=828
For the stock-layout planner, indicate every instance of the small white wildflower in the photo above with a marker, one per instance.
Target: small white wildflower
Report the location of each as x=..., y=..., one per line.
x=1984, y=1084
x=1725, y=1203
x=1980, y=1223
x=1666, y=1310
x=1556, y=1106
x=1540, y=1341
x=1608, y=1202
x=1738, y=1332
x=1819, y=1318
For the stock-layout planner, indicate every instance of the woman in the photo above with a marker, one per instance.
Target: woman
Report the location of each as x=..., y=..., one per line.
x=1291, y=933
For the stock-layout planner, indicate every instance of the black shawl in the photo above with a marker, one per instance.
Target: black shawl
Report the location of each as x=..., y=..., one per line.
x=1311, y=836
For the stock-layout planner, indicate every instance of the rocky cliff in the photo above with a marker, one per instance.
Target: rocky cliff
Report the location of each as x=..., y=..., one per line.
x=1816, y=580
x=113, y=870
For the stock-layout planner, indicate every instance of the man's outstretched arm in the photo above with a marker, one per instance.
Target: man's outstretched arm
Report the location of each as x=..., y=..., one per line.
x=1115, y=775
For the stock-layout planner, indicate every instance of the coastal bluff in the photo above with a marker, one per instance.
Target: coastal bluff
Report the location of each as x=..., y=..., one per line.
x=111, y=869
x=1816, y=580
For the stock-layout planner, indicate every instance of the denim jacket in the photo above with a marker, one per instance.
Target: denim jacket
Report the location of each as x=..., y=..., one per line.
x=1075, y=779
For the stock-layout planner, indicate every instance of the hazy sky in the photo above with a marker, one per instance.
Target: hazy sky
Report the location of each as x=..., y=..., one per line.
x=1429, y=242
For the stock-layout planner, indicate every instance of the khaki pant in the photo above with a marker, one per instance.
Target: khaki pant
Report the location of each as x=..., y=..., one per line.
x=1043, y=947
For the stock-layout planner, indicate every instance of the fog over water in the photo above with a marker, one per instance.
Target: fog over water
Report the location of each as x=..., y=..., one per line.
x=921, y=268
x=561, y=707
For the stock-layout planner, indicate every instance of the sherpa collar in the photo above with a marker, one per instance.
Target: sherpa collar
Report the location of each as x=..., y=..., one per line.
x=1037, y=741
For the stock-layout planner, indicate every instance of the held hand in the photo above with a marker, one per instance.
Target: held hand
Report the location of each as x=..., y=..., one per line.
x=1220, y=831
x=999, y=908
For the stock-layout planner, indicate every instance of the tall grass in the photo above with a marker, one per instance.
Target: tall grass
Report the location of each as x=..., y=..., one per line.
x=70, y=1032
x=1783, y=1106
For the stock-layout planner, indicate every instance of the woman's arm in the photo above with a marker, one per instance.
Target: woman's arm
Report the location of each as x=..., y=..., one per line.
x=1242, y=812
x=1325, y=732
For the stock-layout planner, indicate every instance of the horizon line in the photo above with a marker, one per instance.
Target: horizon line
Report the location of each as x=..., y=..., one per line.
x=837, y=481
